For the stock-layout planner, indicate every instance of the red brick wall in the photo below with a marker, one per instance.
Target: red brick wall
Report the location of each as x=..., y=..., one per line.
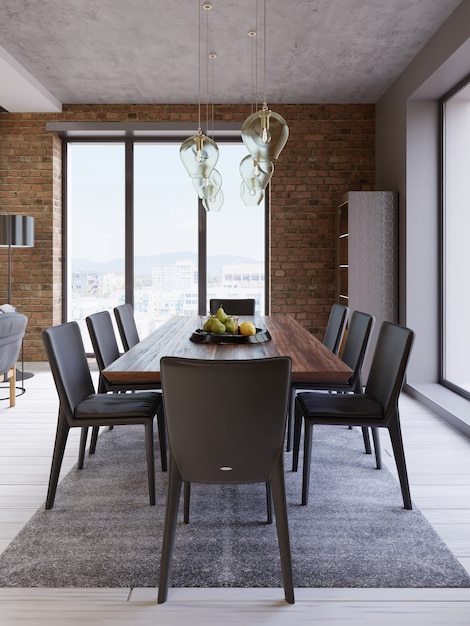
x=330, y=151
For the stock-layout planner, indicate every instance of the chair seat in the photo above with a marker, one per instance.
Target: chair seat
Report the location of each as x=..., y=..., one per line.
x=341, y=406
x=135, y=405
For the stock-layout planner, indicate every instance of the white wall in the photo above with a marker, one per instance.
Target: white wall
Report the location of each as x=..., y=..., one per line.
x=407, y=161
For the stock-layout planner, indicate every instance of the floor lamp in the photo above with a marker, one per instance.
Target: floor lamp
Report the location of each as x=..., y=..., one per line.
x=16, y=231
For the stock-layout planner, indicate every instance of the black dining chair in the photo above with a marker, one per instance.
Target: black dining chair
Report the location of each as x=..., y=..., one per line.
x=360, y=327
x=125, y=320
x=335, y=327
x=81, y=407
x=377, y=407
x=233, y=306
x=332, y=339
x=228, y=426
x=106, y=350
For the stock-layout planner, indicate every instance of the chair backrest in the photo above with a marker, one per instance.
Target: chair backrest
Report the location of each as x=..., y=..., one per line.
x=103, y=339
x=336, y=327
x=388, y=367
x=67, y=359
x=12, y=329
x=357, y=340
x=226, y=419
x=105, y=347
x=233, y=306
x=125, y=320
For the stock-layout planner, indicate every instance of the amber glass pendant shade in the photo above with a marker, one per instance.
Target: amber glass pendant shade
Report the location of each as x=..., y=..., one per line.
x=199, y=155
x=265, y=134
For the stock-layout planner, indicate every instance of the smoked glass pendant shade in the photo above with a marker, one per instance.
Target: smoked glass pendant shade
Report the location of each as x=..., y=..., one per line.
x=256, y=175
x=199, y=155
x=251, y=197
x=265, y=134
x=214, y=204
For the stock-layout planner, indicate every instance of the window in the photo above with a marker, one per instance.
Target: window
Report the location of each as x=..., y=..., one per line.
x=137, y=233
x=455, y=245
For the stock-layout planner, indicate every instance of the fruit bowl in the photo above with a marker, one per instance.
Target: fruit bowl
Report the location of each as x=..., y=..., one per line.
x=203, y=336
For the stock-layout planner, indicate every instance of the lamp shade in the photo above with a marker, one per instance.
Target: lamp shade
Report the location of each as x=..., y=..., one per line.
x=256, y=176
x=251, y=197
x=199, y=155
x=208, y=188
x=265, y=134
x=16, y=230
x=215, y=203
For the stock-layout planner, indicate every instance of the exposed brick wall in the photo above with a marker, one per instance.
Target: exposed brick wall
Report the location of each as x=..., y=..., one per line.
x=331, y=150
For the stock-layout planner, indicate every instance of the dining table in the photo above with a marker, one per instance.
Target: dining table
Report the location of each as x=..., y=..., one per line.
x=181, y=336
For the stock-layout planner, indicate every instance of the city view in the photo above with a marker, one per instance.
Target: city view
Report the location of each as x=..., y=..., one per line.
x=165, y=285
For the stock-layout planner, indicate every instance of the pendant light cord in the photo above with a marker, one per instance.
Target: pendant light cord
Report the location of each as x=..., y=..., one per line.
x=264, y=45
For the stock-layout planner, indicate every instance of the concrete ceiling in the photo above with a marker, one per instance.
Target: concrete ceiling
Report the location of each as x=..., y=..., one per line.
x=55, y=52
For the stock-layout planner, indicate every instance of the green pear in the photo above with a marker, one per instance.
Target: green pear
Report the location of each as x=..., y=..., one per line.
x=208, y=325
x=231, y=325
x=217, y=327
x=221, y=315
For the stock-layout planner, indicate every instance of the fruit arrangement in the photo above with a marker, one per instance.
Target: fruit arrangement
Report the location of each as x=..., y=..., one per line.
x=222, y=323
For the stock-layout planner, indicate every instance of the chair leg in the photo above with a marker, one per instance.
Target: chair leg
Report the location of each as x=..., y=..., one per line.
x=297, y=435
x=82, y=446
x=269, y=503
x=365, y=436
x=187, y=500
x=290, y=418
x=169, y=530
x=150, y=460
x=94, y=439
x=282, y=525
x=12, y=375
x=308, y=428
x=377, y=448
x=162, y=439
x=57, y=458
x=397, y=445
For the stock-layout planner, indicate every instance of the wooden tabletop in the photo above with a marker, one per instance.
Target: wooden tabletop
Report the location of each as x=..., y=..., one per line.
x=311, y=360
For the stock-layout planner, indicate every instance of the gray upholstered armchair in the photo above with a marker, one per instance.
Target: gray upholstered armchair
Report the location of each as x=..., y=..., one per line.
x=12, y=329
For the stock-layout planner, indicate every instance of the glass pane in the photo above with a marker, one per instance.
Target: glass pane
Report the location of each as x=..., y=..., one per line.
x=95, y=201
x=456, y=248
x=235, y=237
x=165, y=236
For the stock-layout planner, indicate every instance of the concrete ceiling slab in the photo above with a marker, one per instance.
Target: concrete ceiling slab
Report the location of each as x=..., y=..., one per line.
x=147, y=51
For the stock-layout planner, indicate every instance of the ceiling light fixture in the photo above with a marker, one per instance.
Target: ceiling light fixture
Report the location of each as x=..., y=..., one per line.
x=199, y=153
x=264, y=134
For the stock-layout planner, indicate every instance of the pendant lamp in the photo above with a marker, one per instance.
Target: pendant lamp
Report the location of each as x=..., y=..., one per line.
x=199, y=153
x=264, y=134
x=208, y=188
x=256, y=175
x=251, y=197
x=215, y=203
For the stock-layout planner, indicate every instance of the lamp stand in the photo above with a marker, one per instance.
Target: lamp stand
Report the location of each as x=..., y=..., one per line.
x=17, y=231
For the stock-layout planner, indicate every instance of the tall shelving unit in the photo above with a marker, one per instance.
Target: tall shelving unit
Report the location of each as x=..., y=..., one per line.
x=367, y=257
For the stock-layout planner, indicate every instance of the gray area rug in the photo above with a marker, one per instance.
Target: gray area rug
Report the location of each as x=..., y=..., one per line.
x=354, y=532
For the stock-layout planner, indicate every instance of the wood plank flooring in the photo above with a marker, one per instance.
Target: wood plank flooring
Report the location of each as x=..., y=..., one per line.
x=438, y=459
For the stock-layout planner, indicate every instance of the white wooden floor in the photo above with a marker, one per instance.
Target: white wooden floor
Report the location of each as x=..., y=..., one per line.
x=439, y=468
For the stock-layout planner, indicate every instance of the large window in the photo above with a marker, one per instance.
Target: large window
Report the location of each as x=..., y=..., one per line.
x=456, y=248
x=137, y=233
